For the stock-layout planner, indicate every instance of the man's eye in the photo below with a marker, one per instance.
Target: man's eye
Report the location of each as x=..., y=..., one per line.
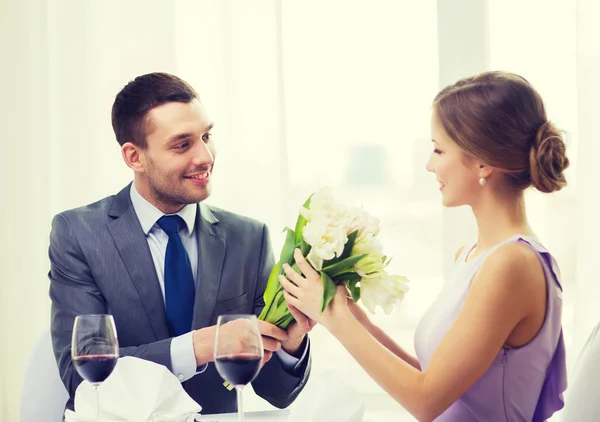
x=207, y=137
x=182, y=145
x=437, y=151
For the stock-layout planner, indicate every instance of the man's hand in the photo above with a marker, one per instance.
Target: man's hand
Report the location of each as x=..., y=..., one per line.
x=297, y=331
x=272, y=336
x=204, y=343
x=237, y=334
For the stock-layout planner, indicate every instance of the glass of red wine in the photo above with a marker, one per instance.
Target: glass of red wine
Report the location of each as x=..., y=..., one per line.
x=238, y=352
x=94, y=349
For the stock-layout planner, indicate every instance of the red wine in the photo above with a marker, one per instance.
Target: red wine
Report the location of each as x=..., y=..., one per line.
x=238, y=370
x=95, y=368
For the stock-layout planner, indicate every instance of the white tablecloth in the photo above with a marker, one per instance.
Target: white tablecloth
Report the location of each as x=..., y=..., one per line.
x=266, y=416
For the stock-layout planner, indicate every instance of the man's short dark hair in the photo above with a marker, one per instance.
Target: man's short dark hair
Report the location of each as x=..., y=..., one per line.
x=138, y=97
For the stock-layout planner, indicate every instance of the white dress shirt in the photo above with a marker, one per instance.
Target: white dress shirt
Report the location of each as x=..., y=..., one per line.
x=183, y=358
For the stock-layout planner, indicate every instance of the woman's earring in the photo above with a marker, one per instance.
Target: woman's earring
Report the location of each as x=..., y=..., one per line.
x=482, y=181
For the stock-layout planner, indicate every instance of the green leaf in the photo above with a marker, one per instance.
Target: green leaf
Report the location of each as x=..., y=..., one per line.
x=331, y=262
x=277, y=309
x=354, y=289
x=301, y=222
x=343, y=266
x=386, y=263
x=348, y=277
x=329, y=289
x=285, y=321
x=287, y=252
x=349, y=244
x=273, y=286
x=304, y=247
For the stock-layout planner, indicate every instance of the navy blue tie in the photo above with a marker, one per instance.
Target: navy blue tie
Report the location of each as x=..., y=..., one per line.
x=179, y=279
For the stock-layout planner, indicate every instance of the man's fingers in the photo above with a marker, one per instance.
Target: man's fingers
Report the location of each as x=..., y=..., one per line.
x=268, y=329
x=270, y=345
x=267, y=357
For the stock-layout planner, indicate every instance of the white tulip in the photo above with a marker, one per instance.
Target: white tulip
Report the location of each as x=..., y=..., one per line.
x=327, y=241
x=326, y=228
x=374, y=261
x=362, y=221
x=368, y=244
x=323, y=206
x=370, y=266
x=383, y=290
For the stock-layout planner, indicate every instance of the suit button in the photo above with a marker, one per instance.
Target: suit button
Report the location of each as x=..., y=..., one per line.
x=180, y=376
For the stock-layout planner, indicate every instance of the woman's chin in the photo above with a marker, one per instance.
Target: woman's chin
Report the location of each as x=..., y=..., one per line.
x=449, y=202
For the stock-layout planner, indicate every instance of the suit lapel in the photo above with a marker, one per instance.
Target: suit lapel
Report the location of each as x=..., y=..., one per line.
x=211, y=256
x=131, y=243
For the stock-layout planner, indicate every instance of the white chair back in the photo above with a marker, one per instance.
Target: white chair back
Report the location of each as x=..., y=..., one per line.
x=581, y=398
x=43, y=396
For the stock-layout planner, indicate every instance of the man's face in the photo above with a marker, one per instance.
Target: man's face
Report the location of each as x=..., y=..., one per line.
x=179, y=156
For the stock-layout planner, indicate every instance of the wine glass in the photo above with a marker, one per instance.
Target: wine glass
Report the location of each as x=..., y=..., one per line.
x=238, y=352
x=94, y=349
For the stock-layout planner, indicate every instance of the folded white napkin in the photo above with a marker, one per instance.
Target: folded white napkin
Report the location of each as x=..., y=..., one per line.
x=328, y=398
x=260, y=416
x=138, y=391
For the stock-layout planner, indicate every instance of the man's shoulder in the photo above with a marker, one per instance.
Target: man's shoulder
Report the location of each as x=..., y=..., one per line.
x=91, y=212
x=99, y=207
x=84, y=223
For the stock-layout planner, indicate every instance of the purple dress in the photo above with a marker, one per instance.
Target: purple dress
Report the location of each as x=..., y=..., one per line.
x=522, y=384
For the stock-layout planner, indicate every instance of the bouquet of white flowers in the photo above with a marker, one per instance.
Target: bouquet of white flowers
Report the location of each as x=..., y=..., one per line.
x=342, y=245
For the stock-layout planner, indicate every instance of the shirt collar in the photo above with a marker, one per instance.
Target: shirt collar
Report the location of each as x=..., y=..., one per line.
x=148, y=214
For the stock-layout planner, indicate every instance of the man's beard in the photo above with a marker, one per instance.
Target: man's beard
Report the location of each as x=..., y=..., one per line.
x=173, y=197
x=165, y=194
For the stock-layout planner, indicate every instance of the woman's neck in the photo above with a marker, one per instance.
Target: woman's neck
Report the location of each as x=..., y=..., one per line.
x=498, y=218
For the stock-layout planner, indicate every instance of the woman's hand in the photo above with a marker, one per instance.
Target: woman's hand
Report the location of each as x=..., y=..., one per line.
x=305, y=293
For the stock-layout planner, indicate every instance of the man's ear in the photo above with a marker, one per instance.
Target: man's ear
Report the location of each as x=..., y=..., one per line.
x=133, y=157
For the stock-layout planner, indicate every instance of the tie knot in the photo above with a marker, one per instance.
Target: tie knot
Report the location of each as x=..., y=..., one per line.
x=171, y=224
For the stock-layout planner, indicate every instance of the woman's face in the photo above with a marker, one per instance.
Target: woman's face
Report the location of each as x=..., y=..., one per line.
x=456, y=172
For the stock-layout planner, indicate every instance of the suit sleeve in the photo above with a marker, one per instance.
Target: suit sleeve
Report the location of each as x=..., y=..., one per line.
x=274, y=383
x=73, y=291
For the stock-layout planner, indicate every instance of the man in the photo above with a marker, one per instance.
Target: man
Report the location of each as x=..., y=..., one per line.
x=165, y=264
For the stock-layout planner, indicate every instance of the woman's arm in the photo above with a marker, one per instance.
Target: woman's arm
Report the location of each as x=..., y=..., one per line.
x=381, y=336
x=500, y=297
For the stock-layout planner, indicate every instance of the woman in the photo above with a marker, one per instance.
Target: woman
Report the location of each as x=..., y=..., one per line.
x=490, y=347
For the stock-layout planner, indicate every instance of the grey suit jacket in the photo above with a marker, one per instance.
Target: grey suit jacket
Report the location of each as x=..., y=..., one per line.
x=101, y=262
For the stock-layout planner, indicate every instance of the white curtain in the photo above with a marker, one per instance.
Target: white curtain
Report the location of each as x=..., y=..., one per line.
x=303, y=94
x=587, y=312
x=229, y=52
x=62, y=63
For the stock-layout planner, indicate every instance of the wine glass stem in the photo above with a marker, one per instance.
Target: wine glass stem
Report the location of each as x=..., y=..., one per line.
x=97, y=403
x=240, y=404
